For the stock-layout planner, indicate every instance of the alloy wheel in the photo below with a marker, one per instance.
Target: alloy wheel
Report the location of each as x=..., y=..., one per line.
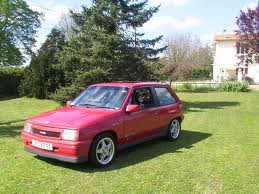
x=105, y=150
x=175, y=129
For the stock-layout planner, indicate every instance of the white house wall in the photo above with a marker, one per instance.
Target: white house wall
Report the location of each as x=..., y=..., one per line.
x=226, y=59
x=253, y=72
x=225, y=55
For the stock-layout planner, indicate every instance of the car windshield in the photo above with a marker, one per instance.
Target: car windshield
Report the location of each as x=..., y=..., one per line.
x=102, y=97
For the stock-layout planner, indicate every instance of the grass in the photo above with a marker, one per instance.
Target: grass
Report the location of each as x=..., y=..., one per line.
x=217, y=153
x=194, y=89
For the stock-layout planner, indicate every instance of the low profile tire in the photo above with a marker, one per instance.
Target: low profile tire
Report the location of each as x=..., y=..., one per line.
x=103, y=150
x=174, y=130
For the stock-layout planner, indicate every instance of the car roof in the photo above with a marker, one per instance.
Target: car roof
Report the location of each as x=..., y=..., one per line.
x=132, y=84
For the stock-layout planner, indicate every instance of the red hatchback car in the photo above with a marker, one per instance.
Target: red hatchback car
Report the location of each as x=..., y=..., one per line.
x=102, y=119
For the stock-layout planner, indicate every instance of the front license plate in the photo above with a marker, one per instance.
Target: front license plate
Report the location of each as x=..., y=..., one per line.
x=42, y=145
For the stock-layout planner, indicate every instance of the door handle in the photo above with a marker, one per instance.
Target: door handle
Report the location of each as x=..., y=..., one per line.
x=173, y=111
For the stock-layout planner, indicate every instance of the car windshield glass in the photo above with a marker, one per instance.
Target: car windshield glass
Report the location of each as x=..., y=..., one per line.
x=102, y=97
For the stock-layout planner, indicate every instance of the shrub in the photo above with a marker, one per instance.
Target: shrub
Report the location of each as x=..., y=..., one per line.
x=26, y=88
x=234, y=86
x=249, y=80
x=64, y=94
x=201, y=73
x=194, y=89
x=187, y=86
x=40, y=81
x=10, y=79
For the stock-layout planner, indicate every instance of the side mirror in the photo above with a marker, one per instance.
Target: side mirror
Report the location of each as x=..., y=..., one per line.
x=68, y=103
x=132, y=108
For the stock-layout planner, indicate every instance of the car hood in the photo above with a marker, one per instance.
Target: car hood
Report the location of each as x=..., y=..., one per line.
x=71, y=117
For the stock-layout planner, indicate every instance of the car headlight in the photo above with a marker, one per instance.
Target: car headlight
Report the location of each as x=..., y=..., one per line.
x=27, y=127
x=70, y=134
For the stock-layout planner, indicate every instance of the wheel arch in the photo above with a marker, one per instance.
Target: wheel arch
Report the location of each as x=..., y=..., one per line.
x=110, y=131
x=178, y=118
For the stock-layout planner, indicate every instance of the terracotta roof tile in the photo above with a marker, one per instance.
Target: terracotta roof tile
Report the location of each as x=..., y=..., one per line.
x=220, y=37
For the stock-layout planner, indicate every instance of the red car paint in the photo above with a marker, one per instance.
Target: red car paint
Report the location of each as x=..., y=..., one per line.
x=127, y=127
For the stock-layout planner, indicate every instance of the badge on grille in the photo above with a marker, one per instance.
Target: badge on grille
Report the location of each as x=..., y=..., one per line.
x=43, y=132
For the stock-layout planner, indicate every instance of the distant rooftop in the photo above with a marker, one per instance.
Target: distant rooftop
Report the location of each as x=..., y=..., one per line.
x=221, y=37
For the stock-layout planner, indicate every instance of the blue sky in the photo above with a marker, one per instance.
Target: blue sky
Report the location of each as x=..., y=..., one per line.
x=202, y=18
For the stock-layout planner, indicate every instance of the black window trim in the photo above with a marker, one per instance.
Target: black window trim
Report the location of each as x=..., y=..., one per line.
x=153, y=93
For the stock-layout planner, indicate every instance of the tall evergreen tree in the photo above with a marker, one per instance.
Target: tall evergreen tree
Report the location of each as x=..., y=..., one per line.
x=108, y=45
x=44, y=76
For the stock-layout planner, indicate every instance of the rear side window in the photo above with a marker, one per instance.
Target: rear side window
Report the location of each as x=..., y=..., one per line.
x=164, y=96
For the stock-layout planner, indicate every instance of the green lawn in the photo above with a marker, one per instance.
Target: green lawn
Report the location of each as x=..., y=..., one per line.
x=218, y=152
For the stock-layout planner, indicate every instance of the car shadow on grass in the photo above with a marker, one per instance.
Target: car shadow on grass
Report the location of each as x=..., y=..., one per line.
x=12, y=122
x=10, y=130
x=140, y=153
x=203, y=106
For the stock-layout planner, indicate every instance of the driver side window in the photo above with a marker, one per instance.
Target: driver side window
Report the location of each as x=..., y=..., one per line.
x=143, y=97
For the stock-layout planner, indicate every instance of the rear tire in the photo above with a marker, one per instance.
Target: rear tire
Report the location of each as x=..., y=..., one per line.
x=102, y=150
x=174, y=130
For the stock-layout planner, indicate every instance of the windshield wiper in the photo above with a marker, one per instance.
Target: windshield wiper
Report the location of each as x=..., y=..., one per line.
x=72, y=105
x=104, y=107
x=95, y=106
x=87, y=105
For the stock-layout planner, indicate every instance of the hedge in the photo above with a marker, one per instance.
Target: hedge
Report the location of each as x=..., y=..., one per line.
x=10, y=79
x=201, y=73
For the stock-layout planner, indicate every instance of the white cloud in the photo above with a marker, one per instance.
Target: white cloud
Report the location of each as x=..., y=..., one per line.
x=56, y=13
x=52, y=13
x=207, y=38
x=50, y=10
x=165, y=3
x=251, y=5
x=167, y=23
x=40, y=40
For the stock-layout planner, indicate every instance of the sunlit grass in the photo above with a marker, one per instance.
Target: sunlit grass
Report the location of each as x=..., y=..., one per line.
x=217, y=153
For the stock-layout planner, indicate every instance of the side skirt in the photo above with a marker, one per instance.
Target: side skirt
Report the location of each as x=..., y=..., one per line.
x=162, y=133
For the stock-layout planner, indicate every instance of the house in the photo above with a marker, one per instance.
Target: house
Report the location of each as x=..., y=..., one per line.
x=225, y=66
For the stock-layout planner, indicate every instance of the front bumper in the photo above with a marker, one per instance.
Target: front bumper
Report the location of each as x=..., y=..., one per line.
x=61, y=158
x=68, y=151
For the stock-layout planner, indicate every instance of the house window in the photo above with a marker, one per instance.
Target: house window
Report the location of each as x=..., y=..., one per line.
x=244, y=71
x=238, y=47
x=241, y=48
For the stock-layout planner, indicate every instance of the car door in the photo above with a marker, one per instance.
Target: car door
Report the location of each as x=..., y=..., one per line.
x=142, y=123
x=169, y=106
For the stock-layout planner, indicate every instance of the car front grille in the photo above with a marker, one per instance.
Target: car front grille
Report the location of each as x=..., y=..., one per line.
x=46, y=133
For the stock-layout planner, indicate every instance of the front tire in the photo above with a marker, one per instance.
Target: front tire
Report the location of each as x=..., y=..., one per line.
x=103, y=150
x=174, y=130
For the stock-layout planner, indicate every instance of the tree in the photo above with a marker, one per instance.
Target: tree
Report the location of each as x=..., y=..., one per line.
x=108, y=46
x=248, y=33
x=18, y=24
x=184, y=54
x=67, y=25
x=44, y=76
